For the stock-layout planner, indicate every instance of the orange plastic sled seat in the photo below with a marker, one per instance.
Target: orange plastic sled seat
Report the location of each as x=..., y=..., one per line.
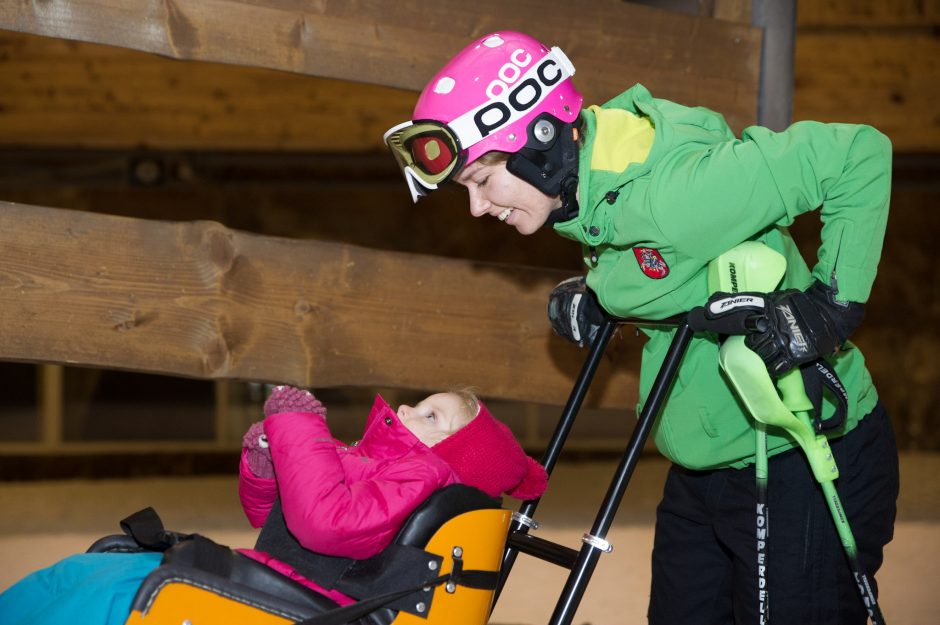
x=441, y=569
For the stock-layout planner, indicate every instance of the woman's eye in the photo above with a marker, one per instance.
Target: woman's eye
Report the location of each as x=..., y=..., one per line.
x=431, y=416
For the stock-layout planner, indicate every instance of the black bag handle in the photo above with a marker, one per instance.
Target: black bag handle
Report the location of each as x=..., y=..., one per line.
x=147, y=530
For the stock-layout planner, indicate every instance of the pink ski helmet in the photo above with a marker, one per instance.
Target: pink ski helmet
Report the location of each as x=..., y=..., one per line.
x=486, y=98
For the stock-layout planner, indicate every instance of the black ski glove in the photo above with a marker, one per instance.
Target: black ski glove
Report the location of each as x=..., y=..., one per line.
x=785, y=328
x=574, y=311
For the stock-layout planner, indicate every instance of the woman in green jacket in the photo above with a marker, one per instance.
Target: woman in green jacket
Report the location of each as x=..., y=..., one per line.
x=654, y=190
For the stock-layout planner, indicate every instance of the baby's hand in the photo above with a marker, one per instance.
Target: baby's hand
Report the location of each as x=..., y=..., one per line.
x=290, y=399
x=259, y=454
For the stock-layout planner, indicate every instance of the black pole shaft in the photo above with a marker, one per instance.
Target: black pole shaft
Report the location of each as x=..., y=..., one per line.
x=578, y=393
x=557, y=442
x=587, y=558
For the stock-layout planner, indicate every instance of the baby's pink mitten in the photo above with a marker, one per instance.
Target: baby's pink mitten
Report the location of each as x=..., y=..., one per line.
x=290, y=399
x=259, y=454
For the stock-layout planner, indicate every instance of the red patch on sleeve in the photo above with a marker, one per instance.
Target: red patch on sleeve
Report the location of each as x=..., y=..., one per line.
x=651, y=262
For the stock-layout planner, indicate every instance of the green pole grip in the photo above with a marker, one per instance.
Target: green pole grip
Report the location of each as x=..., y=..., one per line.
x=750, y=379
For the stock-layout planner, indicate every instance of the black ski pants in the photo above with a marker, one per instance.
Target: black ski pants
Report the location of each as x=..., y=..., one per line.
x=705, y=554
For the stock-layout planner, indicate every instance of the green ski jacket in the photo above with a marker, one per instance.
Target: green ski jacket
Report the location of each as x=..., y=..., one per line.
x=648, y=230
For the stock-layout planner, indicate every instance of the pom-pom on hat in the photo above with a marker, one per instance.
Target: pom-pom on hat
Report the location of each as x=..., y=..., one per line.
x=485, y=454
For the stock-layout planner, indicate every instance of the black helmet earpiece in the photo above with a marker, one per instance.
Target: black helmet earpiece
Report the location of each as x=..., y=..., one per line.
x=549, y=157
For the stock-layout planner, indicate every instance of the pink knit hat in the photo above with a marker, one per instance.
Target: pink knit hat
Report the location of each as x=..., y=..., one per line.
x=485, y=454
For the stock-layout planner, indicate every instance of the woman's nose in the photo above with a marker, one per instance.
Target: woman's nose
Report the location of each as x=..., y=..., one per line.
x=478, y=204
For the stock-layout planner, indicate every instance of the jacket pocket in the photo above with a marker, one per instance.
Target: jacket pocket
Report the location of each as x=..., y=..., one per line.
x=704, y=417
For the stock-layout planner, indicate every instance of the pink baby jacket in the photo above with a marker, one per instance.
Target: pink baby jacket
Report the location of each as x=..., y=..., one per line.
x=341, y=500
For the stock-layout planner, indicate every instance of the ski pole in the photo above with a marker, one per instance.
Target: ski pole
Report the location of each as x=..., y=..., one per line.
x=752, y=266
x=794, y=397
x=762, y=520
x=753, y=384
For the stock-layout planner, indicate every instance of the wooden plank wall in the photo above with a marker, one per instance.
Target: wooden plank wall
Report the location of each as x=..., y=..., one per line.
x=866, y=61
x=401, y=44
x=394, y=44
x=871, y=61
x=59, y=93
x=276, y=91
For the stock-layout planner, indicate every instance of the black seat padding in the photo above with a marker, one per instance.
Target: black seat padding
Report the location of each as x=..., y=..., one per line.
x=362, y=578
x=439, y=508
x=238, y=577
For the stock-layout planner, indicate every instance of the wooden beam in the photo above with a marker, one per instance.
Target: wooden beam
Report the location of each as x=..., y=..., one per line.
x=879, y=69
x=887, y=78
x=197, y=299
x=59, y=93
x=867, y=13
x=873, y=62
x=691, y=59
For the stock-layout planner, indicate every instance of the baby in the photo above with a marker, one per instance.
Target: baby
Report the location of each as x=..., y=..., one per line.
x=337, y=499
x=350, y=500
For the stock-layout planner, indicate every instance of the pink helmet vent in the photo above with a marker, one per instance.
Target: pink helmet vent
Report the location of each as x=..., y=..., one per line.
x=444, y=85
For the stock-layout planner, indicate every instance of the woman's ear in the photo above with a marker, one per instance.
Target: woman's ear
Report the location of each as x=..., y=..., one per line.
x=575, y=134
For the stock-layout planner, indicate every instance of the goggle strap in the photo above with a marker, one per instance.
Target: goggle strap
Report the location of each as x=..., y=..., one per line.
x=396, y=128
x=419, y=188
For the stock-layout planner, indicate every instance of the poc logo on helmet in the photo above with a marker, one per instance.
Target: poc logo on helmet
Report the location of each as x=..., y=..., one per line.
x=508, y=74
x=508, y=101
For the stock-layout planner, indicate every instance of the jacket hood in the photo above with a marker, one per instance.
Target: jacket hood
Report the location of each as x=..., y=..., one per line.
x=674, y=125
x=486, y=455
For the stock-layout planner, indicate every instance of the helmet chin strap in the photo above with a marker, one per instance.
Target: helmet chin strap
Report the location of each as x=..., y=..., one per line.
x=569, y=202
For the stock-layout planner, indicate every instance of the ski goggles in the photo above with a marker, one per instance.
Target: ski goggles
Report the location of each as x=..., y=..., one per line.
x=427, y=152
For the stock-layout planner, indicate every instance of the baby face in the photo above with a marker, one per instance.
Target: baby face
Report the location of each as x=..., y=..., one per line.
x=435, y=418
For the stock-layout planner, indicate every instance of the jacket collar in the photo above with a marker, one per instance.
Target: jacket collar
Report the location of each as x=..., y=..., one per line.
x=589, y=227
x=386, y=434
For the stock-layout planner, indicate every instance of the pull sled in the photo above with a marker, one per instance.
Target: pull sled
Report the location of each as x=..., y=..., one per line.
x=452, y=545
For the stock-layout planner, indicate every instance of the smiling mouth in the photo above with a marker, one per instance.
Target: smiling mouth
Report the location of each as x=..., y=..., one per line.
x=503, y=216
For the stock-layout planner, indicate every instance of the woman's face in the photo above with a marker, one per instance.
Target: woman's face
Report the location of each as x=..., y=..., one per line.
x=494, y=191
